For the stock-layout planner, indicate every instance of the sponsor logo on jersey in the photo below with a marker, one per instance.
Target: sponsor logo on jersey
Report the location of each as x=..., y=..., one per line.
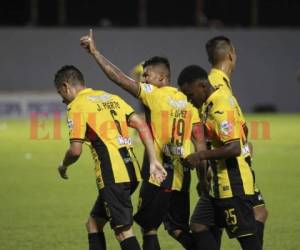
x=173, y=150
x=124, y=140
x=177, y=104
x=99, y=98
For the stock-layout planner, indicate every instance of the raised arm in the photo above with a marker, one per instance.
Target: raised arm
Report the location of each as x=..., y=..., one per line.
x=110, y=70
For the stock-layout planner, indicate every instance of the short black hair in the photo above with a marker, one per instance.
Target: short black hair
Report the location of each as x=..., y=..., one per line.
x=156, y=60
x=216, y=47
x=70, y=74
x=190, y=74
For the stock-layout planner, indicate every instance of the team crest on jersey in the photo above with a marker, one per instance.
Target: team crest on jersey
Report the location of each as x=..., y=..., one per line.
x=226, y=127
x=70, y=123
x=147, y=87
x=177, y=104
x=99, y=98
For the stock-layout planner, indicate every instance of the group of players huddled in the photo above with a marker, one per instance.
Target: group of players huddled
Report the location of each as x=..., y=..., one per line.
x=198, y=126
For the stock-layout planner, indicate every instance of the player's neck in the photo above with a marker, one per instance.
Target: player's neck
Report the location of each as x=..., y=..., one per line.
x=79, y=88
x=225, y=67
x=164, y=84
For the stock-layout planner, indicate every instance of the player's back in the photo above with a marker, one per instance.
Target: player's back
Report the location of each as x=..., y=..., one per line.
x=104, y=113
x=102, y=119
x=171, y=118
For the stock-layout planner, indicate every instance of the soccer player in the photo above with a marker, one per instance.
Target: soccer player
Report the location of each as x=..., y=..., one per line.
x=222, y=56
x=232, y=183
x=102, y=120
x=174, y=122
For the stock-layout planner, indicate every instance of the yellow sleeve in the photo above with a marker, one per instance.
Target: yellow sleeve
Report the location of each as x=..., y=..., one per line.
x=195, y=116
x=77, y=123
x=228, y=124
x=147, y=94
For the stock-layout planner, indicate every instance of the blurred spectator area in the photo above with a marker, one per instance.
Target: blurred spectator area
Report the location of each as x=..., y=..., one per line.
x=153, y=13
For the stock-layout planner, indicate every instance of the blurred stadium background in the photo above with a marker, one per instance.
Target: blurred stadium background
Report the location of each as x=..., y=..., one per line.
x=40, y=211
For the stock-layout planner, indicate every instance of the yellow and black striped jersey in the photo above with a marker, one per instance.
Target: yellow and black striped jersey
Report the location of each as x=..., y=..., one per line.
x=171, y=118
x=101, y=119
x=232, y=176
x=220, y=80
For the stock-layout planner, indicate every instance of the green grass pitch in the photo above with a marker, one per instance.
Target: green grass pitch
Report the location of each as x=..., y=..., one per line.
x=41, y=211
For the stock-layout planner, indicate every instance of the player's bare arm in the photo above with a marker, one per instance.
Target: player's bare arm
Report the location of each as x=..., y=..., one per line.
x=245, y=129
x=231, y=149
x=198, y=137
x=71, y=156
x=199, y=142
x=111, y=71
x=157, y=172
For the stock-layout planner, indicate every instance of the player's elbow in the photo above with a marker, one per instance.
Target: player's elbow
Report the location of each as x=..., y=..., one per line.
x=75, y=150
x=234, y=149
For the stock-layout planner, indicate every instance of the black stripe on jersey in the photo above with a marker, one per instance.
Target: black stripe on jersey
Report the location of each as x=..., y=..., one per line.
x=215, y=180
x=77, y=140
x=167, y=183
x=137, y=162
x=206, y=112
x=248, y=160
x=139, y=92
x=103, y=156
x=128, y=163
x=227, y=83
x=145, y=165
x=234, y=176
x=128, y=117
x=186, y=181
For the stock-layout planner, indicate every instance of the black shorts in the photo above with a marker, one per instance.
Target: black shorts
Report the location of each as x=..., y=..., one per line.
x=234, y=214
x=114, y=204
x=157, y=205
x=258, y=199
x=204, y=212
